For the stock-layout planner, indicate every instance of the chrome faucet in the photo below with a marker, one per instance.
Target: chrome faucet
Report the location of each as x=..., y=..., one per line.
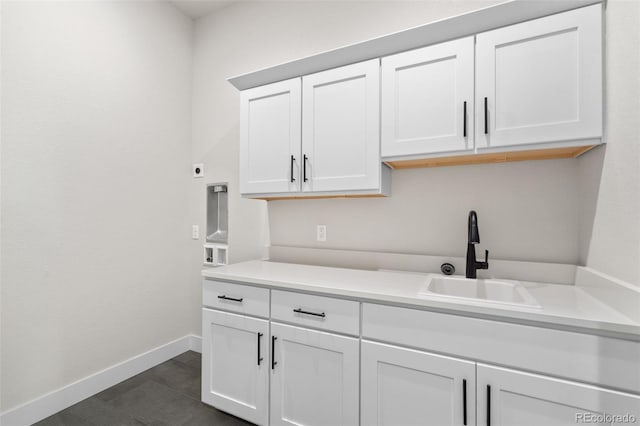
x=474, y=238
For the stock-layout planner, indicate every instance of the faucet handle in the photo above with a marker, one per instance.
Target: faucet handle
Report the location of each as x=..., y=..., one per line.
x=485, y=264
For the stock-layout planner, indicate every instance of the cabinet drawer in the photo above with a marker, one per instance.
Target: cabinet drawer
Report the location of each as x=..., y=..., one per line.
x=320, y=312
x=239, y=298
x=583, y=357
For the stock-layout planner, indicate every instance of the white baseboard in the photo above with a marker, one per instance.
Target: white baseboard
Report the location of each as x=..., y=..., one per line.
x=195, y=343
x=48, y=404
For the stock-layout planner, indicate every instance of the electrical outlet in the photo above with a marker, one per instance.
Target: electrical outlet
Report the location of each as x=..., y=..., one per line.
x=198, y=170
x=195, y=232
x=321, y=234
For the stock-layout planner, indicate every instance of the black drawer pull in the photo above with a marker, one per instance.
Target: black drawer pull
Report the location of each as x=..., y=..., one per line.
x=273, y=352
x=259, y=357
x=464, y=402
x=486, y=117
x=488, y=405
x=293, y=159
x=233, y=299
x=464, y=121
x=304, y=167
x=315, y=314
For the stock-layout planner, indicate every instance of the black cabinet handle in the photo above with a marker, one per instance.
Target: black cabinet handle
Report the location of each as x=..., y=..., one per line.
x=273, y=352
x=259, y=357
x=464, y=121
x=233, y=299
x=464, y=402
x=304, y=167
x=300, y=311
x=488, y=405
x=293, y=159
x=486, y=117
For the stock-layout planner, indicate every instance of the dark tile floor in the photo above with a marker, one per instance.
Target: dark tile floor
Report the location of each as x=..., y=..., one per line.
x=165, y=395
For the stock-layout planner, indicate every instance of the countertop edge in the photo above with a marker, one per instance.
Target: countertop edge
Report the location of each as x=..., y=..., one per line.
x=533, y=318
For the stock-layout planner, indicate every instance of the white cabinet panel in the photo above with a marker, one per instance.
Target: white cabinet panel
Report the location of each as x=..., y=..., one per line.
x=508, y=397
x=235, y=370
x=427, y=100
x=270, y=138
x=541, y=80
x=315, y=379
x=238, y=298
x=325, y=313
x=407, y=387
x=583, y=357
x=340, y=128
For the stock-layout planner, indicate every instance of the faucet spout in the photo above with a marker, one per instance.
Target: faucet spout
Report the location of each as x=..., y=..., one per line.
x=474, y=238
x=474, y=235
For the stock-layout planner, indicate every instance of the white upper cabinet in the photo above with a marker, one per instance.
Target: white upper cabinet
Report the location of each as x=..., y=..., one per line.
x=427, y=100
x=536, y=85
x=270, y=138
x=340, y=129
x=540, y=81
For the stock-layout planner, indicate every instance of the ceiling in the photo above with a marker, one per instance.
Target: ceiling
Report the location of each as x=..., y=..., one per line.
x=197, y=8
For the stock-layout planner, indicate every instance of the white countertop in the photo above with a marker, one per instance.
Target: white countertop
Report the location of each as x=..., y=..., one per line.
x=561, y=306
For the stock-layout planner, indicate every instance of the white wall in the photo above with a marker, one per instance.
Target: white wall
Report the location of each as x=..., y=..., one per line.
x=95, y=172
x=526, y=211
x=614, y=243
x=543, y=211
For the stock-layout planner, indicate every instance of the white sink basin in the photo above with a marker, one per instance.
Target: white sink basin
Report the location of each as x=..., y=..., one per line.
x=504, y=292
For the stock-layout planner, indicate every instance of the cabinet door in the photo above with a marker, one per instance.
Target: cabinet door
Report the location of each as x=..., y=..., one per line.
x=314, y=381
x=509, y=397
x=340, y=128
x=408, y=387
x=270, y=138
x=235, y=365
x=541, y=80
x=427, y=100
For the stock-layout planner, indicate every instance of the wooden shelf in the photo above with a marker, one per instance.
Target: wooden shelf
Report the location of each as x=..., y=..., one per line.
x=499, y=157
x=319, y=197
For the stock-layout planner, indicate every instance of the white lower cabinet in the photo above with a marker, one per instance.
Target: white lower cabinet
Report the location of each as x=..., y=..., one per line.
x=271, y=373
x=404, y=387
x=235, y=367
x=508, y=397
x=314, y=378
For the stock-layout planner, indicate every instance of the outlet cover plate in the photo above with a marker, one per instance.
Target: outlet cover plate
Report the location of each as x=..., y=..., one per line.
x=321, y=233
x=198, y=170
